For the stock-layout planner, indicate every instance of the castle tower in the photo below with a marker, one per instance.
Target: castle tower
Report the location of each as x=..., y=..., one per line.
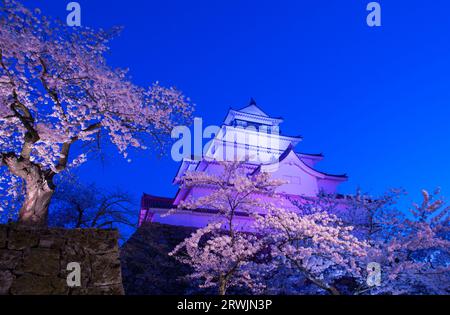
x=249, y=135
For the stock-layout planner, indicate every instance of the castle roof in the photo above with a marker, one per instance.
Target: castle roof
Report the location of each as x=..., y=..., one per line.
x=252, y=113
x=253, y=109
x=290, y=153
x=295, y=166
x=150, y=201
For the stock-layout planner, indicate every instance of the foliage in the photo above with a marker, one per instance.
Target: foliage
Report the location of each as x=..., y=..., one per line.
x=56, y=90
x=314, y=245
x=221, y=254
x=318, y=246
x=414, y=251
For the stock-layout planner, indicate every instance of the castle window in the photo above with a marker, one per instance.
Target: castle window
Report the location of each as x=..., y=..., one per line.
x=295, y=180
x=240, y=123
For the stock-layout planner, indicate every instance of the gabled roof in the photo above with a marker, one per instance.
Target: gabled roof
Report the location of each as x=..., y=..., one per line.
x=312, y=155
x=253, y=109
x=290, y=152
x=184, y=165
x=149, y=202
x=252, y=113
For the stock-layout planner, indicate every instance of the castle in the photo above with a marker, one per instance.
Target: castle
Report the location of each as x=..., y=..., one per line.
x=248, y=134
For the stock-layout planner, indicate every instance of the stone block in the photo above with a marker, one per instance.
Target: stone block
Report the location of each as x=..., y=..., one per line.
x=105, y=269
x=20, y=239
x=34, y=262
x=41, y=261
x=3, y=235
x=9, y=259
x=29, y=284
x=51, y=241
x=6, y=281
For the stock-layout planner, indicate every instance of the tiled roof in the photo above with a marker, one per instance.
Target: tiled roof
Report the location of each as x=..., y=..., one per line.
x=149, y=201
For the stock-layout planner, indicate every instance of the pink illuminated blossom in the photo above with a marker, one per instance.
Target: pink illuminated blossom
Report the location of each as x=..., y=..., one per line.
x=57, y=89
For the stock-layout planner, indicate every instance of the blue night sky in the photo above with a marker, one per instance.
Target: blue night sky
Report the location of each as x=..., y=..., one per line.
x=375, y=101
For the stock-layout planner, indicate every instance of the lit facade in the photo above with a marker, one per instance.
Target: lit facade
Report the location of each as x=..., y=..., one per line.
x=252, y=136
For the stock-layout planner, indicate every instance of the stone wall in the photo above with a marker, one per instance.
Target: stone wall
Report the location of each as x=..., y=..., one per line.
x=146, y=267
x=34, y=262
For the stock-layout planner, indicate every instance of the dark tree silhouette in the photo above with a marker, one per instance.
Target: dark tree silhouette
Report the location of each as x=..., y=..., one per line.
x=78, y=205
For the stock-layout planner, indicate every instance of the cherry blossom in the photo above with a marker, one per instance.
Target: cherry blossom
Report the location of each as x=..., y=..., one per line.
x=11, y=190
x=320, y=241
x=318, y=245
x=220, y=259
x=56, y=89
x=414, y=249
x=221, y=255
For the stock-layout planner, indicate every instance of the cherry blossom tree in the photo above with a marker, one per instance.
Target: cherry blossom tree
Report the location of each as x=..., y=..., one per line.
x=414, y=249
x=220, y=260
x=317, y=245
x=221, y=254
x=57, y=90
x=359, y=210
x=316, y=239
x=369, y=214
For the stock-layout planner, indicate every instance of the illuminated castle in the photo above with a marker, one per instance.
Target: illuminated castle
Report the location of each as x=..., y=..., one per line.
x=251, y=135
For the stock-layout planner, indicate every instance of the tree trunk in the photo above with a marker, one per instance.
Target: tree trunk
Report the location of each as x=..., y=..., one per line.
x=39, y=189
x=329, y=288
x=334, y=291
x=222, y=286
x=34, y=211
